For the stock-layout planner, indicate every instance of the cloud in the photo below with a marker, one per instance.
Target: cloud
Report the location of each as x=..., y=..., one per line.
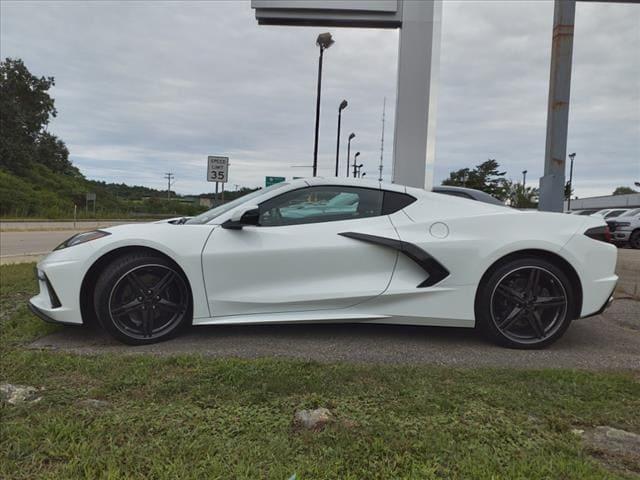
x=143, y=88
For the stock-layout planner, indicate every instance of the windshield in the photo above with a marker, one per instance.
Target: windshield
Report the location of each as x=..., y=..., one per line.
x=631, y=213
x=209, y=215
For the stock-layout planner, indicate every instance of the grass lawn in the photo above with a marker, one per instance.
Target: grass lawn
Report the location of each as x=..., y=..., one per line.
x=194, y=417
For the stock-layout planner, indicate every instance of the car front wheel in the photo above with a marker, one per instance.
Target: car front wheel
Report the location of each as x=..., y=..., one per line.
x=525, y=303
x=142, y=299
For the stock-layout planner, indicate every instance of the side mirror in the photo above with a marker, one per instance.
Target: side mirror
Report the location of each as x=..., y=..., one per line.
x=249, y=215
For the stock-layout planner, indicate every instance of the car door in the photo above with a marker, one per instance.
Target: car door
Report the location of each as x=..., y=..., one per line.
x=296, y=259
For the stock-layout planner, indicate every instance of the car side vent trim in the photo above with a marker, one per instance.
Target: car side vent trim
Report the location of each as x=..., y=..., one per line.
x=437, y=272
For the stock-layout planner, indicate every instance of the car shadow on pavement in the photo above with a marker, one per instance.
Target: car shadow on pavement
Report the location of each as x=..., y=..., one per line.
x=608, y=341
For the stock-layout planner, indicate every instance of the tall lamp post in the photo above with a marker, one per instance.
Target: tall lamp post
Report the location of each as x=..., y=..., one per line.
x=571, y=156
x=351, y=137
x=359, y=169
x=355, y=167
x=342, y=106
x=524, y=181
x=323, y=41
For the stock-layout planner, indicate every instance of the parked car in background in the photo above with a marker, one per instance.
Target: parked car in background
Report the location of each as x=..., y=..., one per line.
x=468, y=193
x=611, y=212
x=625, y=229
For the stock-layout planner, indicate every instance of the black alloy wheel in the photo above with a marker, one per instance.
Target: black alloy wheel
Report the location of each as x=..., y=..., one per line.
x=526, y=303
x=141, y=299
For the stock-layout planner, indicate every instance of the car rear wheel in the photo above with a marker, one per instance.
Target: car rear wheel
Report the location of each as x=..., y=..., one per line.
x=525, y=303
x=634, y=240
x=142, y=299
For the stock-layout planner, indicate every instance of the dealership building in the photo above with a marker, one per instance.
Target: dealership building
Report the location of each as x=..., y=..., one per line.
x=630, y=200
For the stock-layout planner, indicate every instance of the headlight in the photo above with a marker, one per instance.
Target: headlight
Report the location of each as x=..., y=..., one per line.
x=82, y=238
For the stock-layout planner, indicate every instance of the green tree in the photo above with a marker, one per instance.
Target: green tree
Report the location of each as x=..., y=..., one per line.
x=623, y=191
x=25, y=111
x=486, y=177
x=568, y=191
x=519, y=197
x=53, y=154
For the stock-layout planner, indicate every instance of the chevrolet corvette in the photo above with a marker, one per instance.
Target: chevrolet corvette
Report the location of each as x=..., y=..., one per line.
x=336, y=250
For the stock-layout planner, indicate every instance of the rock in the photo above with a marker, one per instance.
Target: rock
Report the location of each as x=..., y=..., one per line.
x=613, y=440
x=577, y=431
x=16, y=394
x=313, y=419
x=93, y=403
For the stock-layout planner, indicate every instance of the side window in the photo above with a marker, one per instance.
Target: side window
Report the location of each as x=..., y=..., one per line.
x=320, y=204
x=394, y=201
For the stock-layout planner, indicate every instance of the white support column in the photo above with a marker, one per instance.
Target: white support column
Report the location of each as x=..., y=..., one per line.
x=418, y=66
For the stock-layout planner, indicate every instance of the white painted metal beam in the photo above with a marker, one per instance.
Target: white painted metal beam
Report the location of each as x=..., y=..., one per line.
x=418, y=67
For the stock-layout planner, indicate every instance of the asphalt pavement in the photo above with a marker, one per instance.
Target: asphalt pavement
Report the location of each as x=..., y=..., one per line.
x=609, y=341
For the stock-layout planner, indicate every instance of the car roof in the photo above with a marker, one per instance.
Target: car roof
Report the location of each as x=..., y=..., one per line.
x=352, y=182
x=470, y=192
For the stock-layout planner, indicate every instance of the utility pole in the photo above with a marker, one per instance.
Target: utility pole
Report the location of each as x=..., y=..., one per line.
x=384, y=107
x=169, y=176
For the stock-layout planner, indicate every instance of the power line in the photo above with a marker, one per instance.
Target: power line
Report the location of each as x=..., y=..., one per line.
x=170, y=180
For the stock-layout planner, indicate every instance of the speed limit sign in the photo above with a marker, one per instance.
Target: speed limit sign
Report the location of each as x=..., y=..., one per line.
x=217, y=169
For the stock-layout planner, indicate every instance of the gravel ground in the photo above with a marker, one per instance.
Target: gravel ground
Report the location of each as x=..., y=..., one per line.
x=609, y=341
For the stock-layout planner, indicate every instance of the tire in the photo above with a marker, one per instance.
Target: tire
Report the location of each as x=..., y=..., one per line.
x=634, y=239
x=141, y=299
x=526, y=303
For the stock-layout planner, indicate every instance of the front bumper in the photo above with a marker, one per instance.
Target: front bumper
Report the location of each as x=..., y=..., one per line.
x=42, y=315
x=59, y=297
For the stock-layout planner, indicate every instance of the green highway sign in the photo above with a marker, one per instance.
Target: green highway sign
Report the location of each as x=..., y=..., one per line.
x=268, y=181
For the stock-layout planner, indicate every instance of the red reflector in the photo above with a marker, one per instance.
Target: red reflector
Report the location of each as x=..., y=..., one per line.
x=599, y=233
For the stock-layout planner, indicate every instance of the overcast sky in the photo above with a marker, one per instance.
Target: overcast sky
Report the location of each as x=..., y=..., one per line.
x=144, y=88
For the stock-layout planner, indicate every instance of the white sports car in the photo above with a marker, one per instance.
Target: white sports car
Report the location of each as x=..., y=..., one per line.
x=335, y=250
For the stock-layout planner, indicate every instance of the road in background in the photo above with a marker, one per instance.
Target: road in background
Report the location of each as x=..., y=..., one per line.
x=28, y=241
x=44, y=225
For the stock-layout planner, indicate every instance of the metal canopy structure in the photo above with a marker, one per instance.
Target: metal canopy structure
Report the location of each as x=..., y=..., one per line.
x=418, y=60
x=419, y=22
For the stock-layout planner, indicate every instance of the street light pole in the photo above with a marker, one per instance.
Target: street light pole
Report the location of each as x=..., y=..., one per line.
x=355, y=167
x=524, y=181
x=571, y=156
x=323, y=41
x=351, y=137
x=342, y=106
